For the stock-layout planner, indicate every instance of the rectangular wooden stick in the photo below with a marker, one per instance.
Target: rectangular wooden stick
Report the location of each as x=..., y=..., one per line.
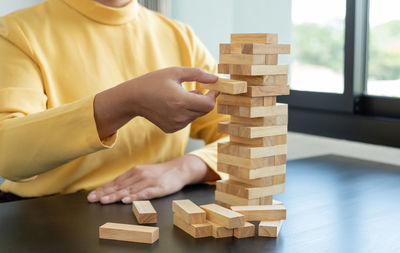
x=248, y=192
x=253, y=70
x=189, y=211
x=246, y=173
x=224, y=99
x=144, y=212
x=247, y=230
x=279, y=120
x=262, y=212
x=129, y=233
x=257, y=48
x=219, y=231
x=254, y=111
x=260, y=142
x=269, y=228
x=223, y=216
x=268, y=38
x=267, y=90
x=260, y=182
x=226, y=86
x=251, y=152
x=250, y=132
x=263, y=80
x=195, y=230
x=242, y=59
x=229, y=200
x=254, y=163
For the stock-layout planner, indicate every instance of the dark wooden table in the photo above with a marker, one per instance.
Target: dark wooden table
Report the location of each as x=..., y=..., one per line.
x=335, y=204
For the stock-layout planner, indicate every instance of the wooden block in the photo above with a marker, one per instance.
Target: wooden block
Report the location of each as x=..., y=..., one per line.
x=250, y=131
x=260, y=142
x=227, y=200
x=224, y=99
x=223, y=216
x=267, y=90
x=267, y=38
x=252, y=70
x=245, y=173
x=269, y=228
x=269, y=59
x=219, y=231
x=259, y=48
x=254, y=111
x=280, y=120
x=260, y=182
x=252, y=163
x=224, y=48
x=248, y=192
x=144, y=212
x=242, y=59
x=262, y=80
x=248, y=230
x=226, y=86
x=129, y=233
x=251, y=152
x=262, y=212
x=195, y=230
x=189, y=211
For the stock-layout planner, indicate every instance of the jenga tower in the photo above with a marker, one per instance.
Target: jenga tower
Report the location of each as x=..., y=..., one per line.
x=255, y=156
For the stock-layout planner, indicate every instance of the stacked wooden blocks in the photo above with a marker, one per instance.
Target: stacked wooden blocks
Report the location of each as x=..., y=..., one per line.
x=255, y=156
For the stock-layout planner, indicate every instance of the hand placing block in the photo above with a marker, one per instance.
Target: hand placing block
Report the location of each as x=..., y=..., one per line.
x=247, y=230
x=269, y=228
x=129, y=233
x=262, y=212
x=226, y=86
x=195, y=230
x=223, y=216
x=144, y=212
x=189, y=211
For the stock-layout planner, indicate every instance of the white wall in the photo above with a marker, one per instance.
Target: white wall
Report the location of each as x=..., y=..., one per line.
x=214, y=20
x=8, y=6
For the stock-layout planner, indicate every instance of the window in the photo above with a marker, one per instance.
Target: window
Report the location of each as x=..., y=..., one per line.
x=318, y=45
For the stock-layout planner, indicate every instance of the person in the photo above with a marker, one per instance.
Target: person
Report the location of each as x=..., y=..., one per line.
x=103, y=96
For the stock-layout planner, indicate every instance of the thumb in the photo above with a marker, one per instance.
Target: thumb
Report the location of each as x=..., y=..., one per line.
x=189, y=74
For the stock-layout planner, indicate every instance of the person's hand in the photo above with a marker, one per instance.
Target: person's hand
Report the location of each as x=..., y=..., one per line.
x=152, y=181
x=157, y=96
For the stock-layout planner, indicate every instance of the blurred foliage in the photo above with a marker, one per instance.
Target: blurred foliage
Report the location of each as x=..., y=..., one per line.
x=324, y=46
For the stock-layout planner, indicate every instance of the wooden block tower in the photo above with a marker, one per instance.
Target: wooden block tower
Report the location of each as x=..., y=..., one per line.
x=255, y=156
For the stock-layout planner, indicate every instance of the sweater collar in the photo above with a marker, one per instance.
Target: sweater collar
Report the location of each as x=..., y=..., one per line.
x=105, y=14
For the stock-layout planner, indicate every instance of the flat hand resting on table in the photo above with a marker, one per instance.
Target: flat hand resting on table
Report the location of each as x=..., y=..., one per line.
x=160, y=98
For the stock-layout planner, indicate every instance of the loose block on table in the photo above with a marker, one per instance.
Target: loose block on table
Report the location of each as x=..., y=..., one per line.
x=261, y=212
x=226, y=86
x=219, y=231
x=247, y=230
x=269, y=228
x=129, y=233
x=189, y=211
x=195, y=230
x=223, y=216
x=144, y=212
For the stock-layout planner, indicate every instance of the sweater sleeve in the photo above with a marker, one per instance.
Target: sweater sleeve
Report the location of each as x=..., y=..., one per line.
x=206, y=127
x=33, y=138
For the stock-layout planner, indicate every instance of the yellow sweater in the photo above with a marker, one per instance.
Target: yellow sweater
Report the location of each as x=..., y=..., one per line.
x=54, y=57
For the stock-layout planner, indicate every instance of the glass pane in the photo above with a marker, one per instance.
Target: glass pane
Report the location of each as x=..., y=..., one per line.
x=318, y=45
x=384, y=48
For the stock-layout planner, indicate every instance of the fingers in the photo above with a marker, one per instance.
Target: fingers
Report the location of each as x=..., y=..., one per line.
x=199, y=102
x=189, y=74
x=148, y=193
